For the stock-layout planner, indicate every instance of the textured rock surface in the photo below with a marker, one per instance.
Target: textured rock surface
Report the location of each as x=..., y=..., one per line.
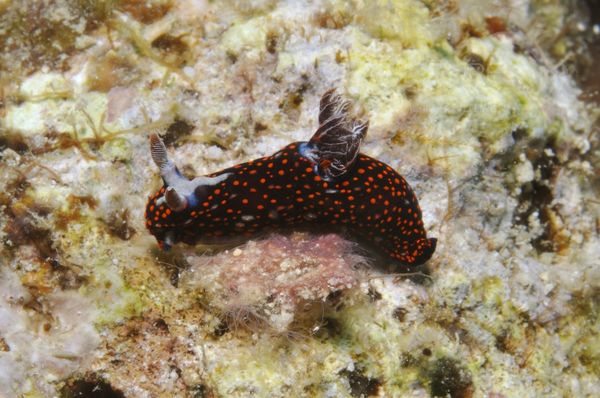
x=472, y=101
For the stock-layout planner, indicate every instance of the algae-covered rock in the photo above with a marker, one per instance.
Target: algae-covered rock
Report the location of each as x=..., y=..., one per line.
x=479, y=104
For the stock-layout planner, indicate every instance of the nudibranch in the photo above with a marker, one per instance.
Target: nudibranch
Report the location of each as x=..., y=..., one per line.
x=324, y=181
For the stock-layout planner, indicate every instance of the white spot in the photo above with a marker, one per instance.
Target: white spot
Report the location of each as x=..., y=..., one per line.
x=310, y=216
x=189, y=71
x=237, y=252
x=247, y=217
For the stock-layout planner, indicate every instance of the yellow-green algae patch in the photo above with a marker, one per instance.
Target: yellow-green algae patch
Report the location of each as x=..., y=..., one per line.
x=85, y=242
x=455, y=106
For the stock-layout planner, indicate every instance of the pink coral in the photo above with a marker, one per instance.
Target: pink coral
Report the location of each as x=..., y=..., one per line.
x=283, y=283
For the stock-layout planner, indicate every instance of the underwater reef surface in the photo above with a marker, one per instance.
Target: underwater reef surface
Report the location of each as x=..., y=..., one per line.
x=480, y=105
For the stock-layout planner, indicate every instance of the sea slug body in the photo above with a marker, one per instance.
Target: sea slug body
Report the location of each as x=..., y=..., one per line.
x=324, y=181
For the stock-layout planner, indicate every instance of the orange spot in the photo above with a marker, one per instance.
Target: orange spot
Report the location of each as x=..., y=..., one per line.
x=361, y=171
x=252, y=172
x=152, y=208
x=281, y=172
x=350, y=198
x=299, y=200
x=236, y=183
x=217, y=191
x=373, y=201
x=229, y=211
x=284, y=161
x=245, y=201
x=205, y=204
x=317, y=178
x=270, y=165
x=308, y=170
x=260, y=207
x=262, y=180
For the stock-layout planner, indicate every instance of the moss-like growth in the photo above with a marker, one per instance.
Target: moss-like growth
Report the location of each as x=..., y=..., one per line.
x=449, y=379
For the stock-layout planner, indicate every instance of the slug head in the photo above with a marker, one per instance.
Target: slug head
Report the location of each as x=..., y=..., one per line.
x=168, y=210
